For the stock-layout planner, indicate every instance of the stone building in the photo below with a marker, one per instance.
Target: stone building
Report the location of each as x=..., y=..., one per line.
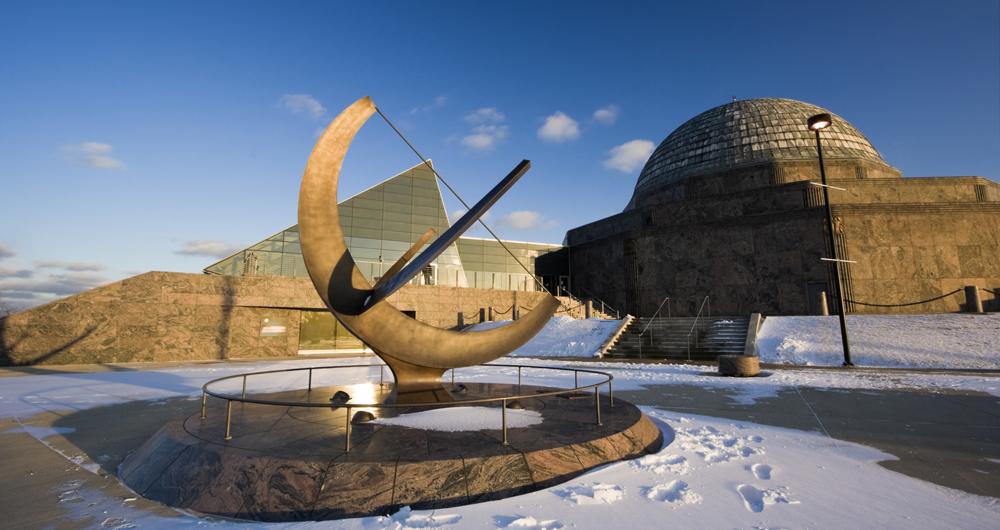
x=727, y=207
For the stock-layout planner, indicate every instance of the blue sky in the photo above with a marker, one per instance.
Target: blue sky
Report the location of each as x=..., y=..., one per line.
x=142, y=136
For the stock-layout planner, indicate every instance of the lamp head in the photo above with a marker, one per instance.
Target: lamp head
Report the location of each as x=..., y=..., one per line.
x=820, y=121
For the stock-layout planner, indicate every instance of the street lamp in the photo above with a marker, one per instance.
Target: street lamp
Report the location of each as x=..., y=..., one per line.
x=817, y=123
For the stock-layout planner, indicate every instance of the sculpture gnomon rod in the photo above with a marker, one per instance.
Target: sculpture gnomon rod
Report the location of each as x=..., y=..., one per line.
x=417, y=353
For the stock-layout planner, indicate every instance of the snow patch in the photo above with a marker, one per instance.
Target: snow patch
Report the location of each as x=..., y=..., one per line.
x=562, y=337
x=405, y=519
x=675, y=492
x=755, y=500
x=663, y=462
x=455, y=419
x=597, y=493
x=912, y=341
x=526, y=523
x=715, y=446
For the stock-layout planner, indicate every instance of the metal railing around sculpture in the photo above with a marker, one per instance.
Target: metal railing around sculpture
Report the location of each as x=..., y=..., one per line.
x=243, y=397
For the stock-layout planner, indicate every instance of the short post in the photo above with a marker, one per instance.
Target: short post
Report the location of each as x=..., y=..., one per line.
x=503, y=420
x=229, y=419
x=515, y=312
x=347, y=430
x=597, y=404
x=824, y=309
x=576, y=379
x=204, y=403
x=482, y=315
x=461, y=320
x=491, y=313
x=973, y=303
x=244, y=387
x=588, y=309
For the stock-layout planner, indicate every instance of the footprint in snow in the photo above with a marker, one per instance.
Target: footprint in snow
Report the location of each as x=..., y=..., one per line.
x=755, y=500
x=405, y=518
x=661, y=463
x=675, y=492
x=519, y=522
x=761, y=471
x=597, y=493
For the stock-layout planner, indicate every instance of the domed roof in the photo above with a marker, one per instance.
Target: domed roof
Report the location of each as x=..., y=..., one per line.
x=746, y=132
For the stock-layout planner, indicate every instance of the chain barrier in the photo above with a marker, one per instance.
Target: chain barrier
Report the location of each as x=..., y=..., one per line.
x=498, y=312
x=568, y=309
x=936, y=298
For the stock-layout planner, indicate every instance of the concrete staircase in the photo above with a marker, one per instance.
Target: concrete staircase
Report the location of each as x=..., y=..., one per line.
x=670, y=338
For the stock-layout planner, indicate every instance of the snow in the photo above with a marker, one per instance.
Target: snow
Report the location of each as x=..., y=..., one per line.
x=455, y=419
x=712, y=472
x=918, y=341
x=562, y=337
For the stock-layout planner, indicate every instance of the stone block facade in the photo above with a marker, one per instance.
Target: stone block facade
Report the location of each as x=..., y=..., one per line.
x=751, y=239
x=164, y=316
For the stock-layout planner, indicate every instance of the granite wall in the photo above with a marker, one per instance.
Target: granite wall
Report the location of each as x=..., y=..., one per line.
x=751, y=239
x=164, y=316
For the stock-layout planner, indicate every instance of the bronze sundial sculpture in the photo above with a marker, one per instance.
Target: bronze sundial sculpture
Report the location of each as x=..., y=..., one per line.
x=418, y=354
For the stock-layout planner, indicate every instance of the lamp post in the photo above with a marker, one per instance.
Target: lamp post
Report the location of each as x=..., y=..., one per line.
x=817, y=123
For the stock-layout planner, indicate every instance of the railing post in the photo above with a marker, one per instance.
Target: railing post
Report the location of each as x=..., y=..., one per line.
x=229, y=419
x=576, y=379
x=503, y=420
x=611, y=395
x=244, y=387
x=309, y=389
x=453, y=376
x=597, y=404
x=381, y=375
x=347, y=430
x=204, y=403
x=519, y=378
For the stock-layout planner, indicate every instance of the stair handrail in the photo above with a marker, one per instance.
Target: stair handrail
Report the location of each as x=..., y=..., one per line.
x=693, y=326
x=666, y=300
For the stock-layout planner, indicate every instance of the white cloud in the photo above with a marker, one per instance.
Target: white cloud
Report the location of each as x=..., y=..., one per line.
x=211, y=249
x=607, y=115
x=525, y=220
x=6, y=252
x=485, y=115
x=485, y=137
x=438, y=102
x=302, y=104
x=95, y=154
x=455, y=215
x=559, y=128
x=78, y=266
x=629, y=156
x=14, y=273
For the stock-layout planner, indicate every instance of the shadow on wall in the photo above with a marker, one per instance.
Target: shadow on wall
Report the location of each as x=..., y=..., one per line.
x=8, y=347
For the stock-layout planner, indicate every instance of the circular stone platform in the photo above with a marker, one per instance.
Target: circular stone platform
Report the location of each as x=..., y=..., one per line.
x=288, y=464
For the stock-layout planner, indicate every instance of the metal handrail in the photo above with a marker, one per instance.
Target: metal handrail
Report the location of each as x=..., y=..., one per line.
x=693, y=326
x=666, y=300
x=243, y=398
x=604, y=305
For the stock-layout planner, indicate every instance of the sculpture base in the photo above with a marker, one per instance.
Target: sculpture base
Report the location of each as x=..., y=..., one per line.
x=290, y=464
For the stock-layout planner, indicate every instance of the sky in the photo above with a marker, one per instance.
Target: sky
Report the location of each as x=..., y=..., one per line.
x=140, y=136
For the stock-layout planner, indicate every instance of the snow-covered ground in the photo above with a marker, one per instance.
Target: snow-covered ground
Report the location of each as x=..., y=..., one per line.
x=714, y=473
x=562, y=337
x=916, y=341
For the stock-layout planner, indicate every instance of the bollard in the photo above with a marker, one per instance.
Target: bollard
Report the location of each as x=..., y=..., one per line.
x=482, y=314
x=515, y=312
x=824, y=309
x=588, y=309
x=491, y=313
x=973, y=303
x=461, y=320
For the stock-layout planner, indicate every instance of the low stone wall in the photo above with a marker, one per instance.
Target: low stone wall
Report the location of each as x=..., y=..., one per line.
x=165, y=316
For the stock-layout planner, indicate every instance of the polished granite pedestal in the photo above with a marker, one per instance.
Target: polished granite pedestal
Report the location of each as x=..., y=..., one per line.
x=290, y=463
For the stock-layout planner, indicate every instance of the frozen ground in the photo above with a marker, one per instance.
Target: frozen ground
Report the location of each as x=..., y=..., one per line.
x=715, y=473
x=563, y=337
x=915, y=341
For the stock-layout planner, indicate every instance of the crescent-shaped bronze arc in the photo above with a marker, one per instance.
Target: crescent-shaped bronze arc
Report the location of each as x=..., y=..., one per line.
x=417, y=353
